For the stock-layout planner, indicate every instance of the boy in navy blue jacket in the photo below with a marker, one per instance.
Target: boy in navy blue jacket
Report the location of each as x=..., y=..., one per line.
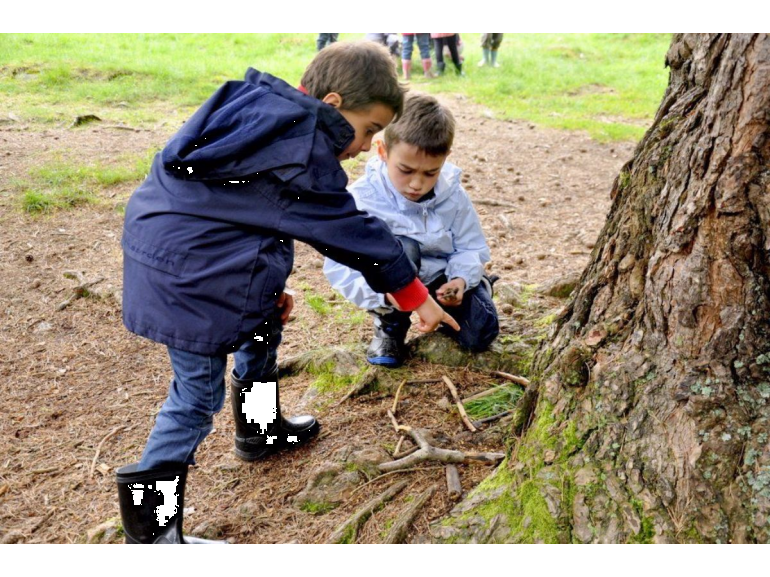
x=207, y=247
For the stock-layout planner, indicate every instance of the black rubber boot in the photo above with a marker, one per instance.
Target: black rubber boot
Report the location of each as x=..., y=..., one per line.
x=261, y=430
x=489, y=283
x=152, y=505
x=387, y=347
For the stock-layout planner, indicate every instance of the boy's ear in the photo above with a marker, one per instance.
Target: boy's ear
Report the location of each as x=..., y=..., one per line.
x=382, y=150
x=333, y=99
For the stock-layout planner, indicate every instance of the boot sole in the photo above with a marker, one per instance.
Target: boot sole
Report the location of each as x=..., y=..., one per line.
x=257, y=456
x=251, y=456
x=384, y=362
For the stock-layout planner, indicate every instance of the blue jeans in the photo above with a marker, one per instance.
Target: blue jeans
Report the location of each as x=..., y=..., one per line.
x=423, y=43
x=197, y=393
x=476, y=314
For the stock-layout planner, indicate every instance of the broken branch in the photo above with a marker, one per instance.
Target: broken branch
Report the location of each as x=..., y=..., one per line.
x=459, y=404
x=513, y=378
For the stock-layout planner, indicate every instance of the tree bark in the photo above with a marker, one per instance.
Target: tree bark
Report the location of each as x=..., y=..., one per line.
x=652, y=420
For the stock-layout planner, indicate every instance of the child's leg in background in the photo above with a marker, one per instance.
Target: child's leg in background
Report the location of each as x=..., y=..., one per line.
x=393, y=43
x=407, y=48
x=495, y=41
x=485, y=48
x=451, y=43
x=326, y=38
x=439, y=45
x=423, y=43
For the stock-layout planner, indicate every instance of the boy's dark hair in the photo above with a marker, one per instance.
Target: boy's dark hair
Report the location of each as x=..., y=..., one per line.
x=425, y=124
x=362, y=73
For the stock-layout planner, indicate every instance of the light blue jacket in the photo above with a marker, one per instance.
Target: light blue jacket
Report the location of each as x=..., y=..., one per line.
x=446, y=226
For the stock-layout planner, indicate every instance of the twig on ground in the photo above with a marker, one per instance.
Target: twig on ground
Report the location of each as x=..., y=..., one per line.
x=394, y=409
x=79, y=291
x=483, y=394
x=398, y=445
x=400, y=528
x=513, y=378
x=99, y=448
x=378, y=477
x=454, y=488
x=348, y=531
x=490, y=202
x=450, y=385
x=493, y=417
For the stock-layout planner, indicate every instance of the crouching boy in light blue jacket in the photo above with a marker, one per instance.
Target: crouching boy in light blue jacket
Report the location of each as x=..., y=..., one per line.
x=418, y=194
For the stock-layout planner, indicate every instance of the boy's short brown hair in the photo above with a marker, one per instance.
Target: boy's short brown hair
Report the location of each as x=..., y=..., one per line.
x=362, y=73
x=425, y=124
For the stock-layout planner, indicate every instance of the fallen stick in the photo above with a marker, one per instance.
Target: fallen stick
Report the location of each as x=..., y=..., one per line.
x=428, y=452
x=492, y=418
x=398, y=445
x=44, y=471
x=400, y=528
x=483, y=394
x=348, y=531
x=489, y=202
x=80, y=290
x=406, y=453
x=454, y=488
x=395, y=400
x=394, y=422
x=99, y=448
x=121, y=127
x=459, y=404
x=513, y=378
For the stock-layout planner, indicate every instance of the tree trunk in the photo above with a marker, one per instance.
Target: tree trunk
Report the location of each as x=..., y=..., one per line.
x=653, y=395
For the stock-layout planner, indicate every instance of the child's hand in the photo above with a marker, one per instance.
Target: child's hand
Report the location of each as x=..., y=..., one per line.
x=451, y=294
x=285, y=304
x=432, y=315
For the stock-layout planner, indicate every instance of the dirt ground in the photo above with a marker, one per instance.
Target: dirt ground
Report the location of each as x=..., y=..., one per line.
x=81, y=393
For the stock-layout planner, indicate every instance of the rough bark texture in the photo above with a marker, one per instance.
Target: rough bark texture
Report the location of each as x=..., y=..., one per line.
x=653, y=396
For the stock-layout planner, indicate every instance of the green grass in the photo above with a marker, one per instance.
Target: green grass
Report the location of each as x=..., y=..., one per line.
x=504, y=399
x=609, y=85
x=606, y=84
x=546, y=321
x=318, y=303
x=314, y=300
x=349, y=314
x=135, y=78
x=328, y=382
x=60, y=185
x=37, y=202
x=320, y=508
x=344, y=312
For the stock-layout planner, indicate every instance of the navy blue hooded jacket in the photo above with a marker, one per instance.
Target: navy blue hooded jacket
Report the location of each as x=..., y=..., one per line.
x=207, y=240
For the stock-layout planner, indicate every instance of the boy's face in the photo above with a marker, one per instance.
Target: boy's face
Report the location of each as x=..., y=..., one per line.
x=411, y=170
x=366, y=122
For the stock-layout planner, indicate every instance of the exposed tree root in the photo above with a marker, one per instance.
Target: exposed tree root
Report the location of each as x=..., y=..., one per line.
x=348, y=531
x=400, y=528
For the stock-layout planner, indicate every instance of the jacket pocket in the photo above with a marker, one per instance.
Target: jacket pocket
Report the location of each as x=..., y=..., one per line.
x=278, y=267
x=165, y=260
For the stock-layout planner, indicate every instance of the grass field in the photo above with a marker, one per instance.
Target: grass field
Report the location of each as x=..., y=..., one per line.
x=608, y=85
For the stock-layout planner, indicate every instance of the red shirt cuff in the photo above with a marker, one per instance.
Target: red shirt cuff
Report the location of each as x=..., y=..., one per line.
x=411, y=296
